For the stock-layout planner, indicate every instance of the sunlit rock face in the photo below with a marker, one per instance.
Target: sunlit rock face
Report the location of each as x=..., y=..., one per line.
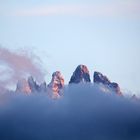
x=106, y=84
x=80, y=75
x=23, y=87
x=56, y=85
x=29, y=86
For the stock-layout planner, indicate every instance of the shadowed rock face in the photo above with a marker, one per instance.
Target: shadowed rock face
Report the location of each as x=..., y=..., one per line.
x=33, y=85
x=56, y=85
x=81, y=74
x=115, y=87
x=99, y=78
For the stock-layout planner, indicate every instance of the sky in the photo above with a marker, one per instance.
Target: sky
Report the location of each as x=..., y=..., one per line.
x=102, y=34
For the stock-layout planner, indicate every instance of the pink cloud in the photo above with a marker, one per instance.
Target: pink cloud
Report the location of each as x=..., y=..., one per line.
x=18, y=66
x=129, y=8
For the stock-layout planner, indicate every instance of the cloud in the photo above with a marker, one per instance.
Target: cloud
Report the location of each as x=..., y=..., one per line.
x=84, y=112
x=17, y=66
x=112, y=9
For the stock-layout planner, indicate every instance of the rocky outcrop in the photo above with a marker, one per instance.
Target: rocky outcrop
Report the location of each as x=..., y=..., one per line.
x=33, y=85
x=55, y=88
x=23, y=87
x=56, y=85
x=99, y=78
x=80, y=75
x=28, y=86
x=116, y=88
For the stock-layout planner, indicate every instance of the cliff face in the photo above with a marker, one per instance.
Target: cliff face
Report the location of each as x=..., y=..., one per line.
x=80, y=75
x=101, y=79
x=56, y=85
x=23, y=86
x=29, y=86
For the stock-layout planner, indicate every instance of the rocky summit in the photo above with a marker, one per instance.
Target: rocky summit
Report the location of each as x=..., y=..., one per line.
x=33, y=85
x=56, y=85
x=29, y=86
x=99, y=78
x=23, y=87
x=80, y=75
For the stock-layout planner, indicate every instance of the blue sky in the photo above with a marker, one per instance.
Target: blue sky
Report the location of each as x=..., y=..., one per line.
x=104, y=35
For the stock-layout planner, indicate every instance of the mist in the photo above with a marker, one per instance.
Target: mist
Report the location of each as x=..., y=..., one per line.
x=17, y=65
x=84, y=112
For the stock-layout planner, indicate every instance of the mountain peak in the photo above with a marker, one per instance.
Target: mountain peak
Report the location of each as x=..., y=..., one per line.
x=80, y=75
x=99, y=78
x=23, y=86
x=33, y=85
x=56, y=84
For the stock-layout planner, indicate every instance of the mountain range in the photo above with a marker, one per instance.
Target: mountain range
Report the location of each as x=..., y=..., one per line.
x=55, y=88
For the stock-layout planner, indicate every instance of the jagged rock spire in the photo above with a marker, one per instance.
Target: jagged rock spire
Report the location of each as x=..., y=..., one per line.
x=81, y=74
x=99, y=78
x=33, y=85
x=56, y=85
x=28, y=86
x=23, y=87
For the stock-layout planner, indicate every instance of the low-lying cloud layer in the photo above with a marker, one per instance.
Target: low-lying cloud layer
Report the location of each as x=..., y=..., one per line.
x=18, y=65
x=83, y=113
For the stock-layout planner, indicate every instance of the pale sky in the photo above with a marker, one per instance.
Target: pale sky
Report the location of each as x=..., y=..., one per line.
x=102, y=34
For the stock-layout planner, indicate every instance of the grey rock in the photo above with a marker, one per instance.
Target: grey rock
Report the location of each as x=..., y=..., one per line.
x=80, y=75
